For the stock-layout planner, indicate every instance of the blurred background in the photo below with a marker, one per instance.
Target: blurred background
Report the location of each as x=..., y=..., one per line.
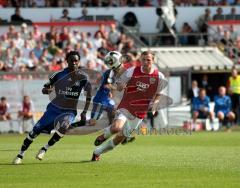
x=198, y=53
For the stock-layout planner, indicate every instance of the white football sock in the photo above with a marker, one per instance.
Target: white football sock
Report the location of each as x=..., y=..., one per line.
x=46, y=146
x=107, y=132
x=109, y=145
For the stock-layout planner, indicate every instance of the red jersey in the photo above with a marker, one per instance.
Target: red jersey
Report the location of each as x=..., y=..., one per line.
x=26, y=107
x=3, y=109
x=140, y=91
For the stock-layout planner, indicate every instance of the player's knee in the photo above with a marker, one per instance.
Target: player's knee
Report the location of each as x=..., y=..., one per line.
x=32, y=135
x=195, y=114
x=118, y=138
x=115, y=129
x=220, y=115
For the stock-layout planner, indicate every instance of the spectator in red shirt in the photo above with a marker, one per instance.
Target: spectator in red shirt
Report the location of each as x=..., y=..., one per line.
x=4, y=110
x=27, y=108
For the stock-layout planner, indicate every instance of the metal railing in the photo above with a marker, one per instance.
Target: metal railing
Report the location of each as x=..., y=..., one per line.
x=182, y=39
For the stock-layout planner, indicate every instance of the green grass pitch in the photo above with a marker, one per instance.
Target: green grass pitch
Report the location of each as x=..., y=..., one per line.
x=197, y=160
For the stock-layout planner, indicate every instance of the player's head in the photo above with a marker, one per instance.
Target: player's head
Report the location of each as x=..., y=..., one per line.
x=73, y=60
x=147, y=58
x=113, y=59
x=3, y=100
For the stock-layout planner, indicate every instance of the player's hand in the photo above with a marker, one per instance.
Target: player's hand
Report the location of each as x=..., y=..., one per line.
x=46, y=90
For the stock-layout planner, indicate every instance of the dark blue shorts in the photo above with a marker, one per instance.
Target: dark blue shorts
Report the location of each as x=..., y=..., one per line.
x=98, y=109
x=54, y=119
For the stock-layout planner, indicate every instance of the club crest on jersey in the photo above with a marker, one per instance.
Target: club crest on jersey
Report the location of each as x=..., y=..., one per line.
x=152, y=80
x=142, y=86
x=77, y=83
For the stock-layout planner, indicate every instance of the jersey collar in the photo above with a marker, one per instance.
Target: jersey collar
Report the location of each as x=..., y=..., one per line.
x=152, y=70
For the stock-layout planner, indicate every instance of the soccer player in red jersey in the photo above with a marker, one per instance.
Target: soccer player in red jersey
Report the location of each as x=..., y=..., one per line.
x=142, y=86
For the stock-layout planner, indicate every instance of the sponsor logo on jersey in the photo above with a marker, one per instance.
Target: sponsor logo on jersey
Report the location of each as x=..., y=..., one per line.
x=142, y=86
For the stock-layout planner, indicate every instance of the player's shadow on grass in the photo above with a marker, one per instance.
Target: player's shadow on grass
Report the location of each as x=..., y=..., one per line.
x=47, y=163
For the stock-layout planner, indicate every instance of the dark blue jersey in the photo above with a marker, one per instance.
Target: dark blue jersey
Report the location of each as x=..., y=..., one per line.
x=102, y=95
x=68, y=87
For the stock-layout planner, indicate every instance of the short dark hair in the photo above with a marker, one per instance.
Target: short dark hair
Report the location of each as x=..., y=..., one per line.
x=3, y=98
x=71, y=53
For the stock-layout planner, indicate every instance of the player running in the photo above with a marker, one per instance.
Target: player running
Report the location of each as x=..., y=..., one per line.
x=62, y=109
x=103, y=99
x=142, y=86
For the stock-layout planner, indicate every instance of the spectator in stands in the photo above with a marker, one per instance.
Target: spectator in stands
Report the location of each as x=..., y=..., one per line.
x=223, y=106
x=102, y=31
x=114, y=34
x=205, y=84
x=38, y=3
x=26, y=49
x=193, y=92
x=51, y=34
x=27, y=108
x=128, y=47
x=24, y=31
x=185, y=38
x=11, y=34
x=233, y=86
x=201, y=108
x=19, y=41
x=4, y=110
x=17, y=16
x=38, y=50
x=26, y=113
x=64, y=35
x=219, y=14
x=233, y=33
x=52, y=49
x=36, y=33
x=84, y=16
x=130, y=20
x=232, y=14
x=97, y=41
x=4, y=42
x=217, y=36
x=202, y=23
x=65, y=15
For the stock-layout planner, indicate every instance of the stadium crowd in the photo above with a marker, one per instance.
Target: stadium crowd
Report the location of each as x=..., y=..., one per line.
x=32, y=50
x=111, y=3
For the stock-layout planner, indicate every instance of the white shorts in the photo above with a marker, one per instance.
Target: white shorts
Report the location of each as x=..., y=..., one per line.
x=129, y=124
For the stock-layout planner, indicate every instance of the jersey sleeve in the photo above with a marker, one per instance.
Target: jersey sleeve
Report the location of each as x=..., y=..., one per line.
x=105, y=78
x=126, y=76
x=53, y=78
x=88, y=86
x=162, y=83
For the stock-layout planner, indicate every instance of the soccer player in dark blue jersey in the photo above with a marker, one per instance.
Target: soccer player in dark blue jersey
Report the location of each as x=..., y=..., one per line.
x=64, y=88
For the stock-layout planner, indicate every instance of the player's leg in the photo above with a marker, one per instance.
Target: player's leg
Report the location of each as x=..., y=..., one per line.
x=128, y=127
x=114, y=128
x=41, y=125
x=63, y=122
x=109, y=145
x=96, y=113
x=26, y=143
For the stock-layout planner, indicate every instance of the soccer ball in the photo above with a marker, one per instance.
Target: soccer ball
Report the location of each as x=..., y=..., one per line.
x=113, y=59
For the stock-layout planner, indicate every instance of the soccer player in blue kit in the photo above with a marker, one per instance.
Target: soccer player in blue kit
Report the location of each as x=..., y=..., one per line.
x=103, y=99
x=62, y=109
